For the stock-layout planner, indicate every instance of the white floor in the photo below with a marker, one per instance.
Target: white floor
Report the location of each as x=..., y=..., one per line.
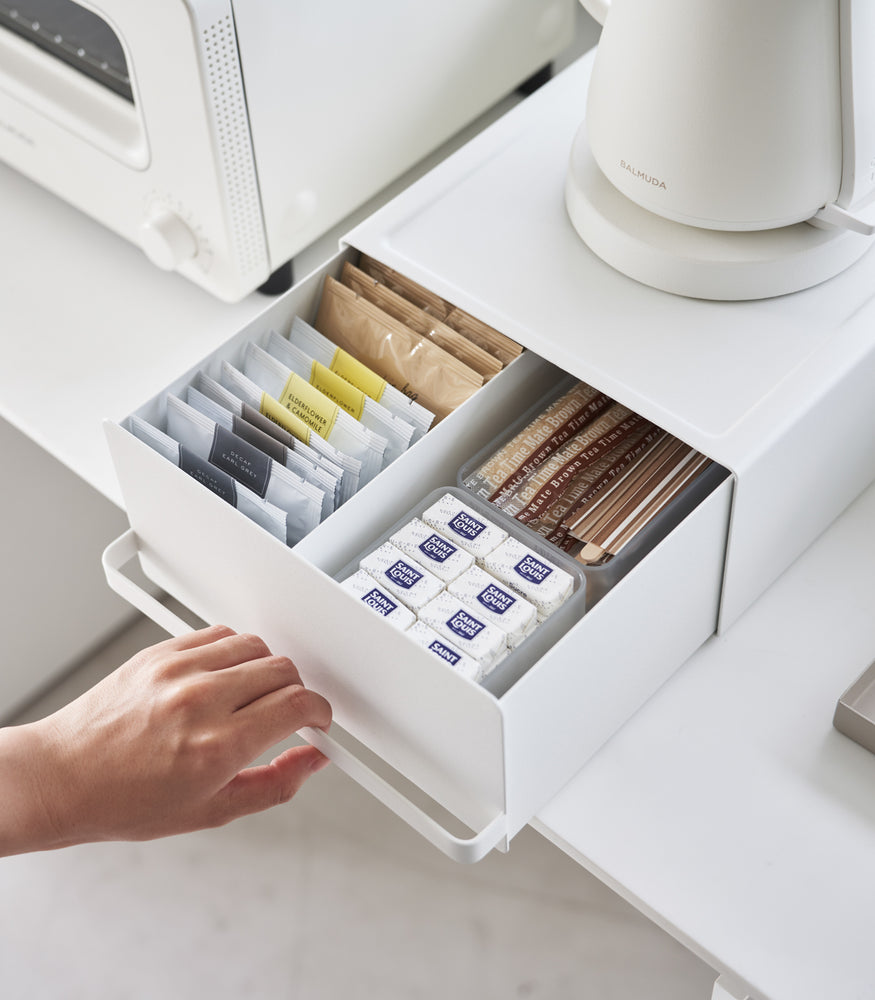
x=328, y=897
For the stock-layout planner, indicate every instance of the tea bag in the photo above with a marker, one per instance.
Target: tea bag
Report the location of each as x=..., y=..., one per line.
x=411, y=363
x=318, y=412
x=489, y=339
x=301, y=501
x=580, y=449
x=575, y=407
x=371, y=414
x=249, y=416
x=589, y=483
x=263, y=513
x=252, y=395
x=311, y=341
x=605, y=526
x=308, y=471
x=421, y=322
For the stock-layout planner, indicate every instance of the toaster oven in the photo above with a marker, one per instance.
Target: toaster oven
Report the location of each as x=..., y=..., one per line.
x=224, y=136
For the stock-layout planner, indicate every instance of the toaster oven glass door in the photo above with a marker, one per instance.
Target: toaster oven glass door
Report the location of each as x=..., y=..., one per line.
x=73, y=34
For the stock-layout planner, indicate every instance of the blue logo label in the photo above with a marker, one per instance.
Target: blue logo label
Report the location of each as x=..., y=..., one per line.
x=377, y=600
x=445, y=653
x=532, y=570
x=465, y=625
x=496, y=599
x=466, y=526
x=403, y=574
x=438, y=548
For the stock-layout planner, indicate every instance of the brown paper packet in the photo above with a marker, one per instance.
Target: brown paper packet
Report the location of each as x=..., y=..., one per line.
x=517, y=458
x=416, y=366
x=421, y=322
x=646, y=488
x=478, y=332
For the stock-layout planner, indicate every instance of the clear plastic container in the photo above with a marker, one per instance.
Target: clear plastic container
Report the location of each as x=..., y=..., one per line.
x=547, y=633
x=602, y=577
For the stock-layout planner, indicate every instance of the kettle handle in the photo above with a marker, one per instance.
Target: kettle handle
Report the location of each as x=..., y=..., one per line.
x=597, y=9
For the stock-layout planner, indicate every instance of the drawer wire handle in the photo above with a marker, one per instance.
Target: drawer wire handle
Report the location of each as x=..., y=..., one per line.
x=462, y=849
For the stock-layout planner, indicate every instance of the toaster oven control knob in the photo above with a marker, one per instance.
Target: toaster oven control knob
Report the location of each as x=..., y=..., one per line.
x=166, y=239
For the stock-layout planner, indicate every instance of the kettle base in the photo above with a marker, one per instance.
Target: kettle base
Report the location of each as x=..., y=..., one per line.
x=699, y=263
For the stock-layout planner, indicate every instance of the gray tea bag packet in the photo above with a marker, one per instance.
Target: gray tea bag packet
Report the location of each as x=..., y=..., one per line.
x=301, y=501
x=307, y=471
x=320, y=348
x=263, y=513
x=373, y=415
x=254, y=396
x=249, y=416
x=329, y=420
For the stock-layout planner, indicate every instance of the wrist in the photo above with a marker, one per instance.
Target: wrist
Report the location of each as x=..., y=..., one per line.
x=28, y=817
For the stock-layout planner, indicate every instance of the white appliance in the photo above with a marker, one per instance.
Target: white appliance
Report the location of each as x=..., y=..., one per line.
x=223, y=136
x=728, y=149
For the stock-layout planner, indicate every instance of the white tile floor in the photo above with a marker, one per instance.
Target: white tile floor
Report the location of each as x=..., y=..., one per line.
x=328, y=897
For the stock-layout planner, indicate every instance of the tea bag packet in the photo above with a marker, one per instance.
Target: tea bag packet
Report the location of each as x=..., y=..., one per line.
x=397, y=432
x=301, y=501
x=306, y=470
x=590, y=482
x=319, y=413
x=466, y=629
x=635, y=499
x=425, y=636
x=320, y=348
x=478, y=332
x=403, y=577
x=250, y=420
x=530, y=574
x=421, y=322
x=416, y=366
x=513, y=614
x=363, y=586
x=468, y=528
x=515, y=460
x=432, y=550
x=586, y=446
x=256, y=398
x=263, y=513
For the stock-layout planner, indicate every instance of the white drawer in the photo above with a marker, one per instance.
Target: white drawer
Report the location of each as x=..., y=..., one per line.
x=493, y=762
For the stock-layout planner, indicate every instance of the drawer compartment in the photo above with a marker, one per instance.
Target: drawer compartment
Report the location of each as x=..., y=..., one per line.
x=491, y=760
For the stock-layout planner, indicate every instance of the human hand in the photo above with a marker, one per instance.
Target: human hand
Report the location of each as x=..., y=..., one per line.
x=161, y=746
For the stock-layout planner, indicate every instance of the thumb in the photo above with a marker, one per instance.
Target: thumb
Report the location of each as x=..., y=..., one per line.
x=258, y=788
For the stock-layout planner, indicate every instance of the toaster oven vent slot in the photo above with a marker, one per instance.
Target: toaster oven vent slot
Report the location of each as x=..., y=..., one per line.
x=233, y=139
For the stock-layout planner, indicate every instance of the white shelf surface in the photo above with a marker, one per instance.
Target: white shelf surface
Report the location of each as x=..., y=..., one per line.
x=489, y=228
x=729, y=810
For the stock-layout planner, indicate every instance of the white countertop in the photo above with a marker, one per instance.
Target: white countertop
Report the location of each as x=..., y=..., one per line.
x=729, y=810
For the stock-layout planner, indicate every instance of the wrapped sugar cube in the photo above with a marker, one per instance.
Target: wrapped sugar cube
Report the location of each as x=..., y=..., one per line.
x=373, y=596
x=465, y=526
x=431, y=549
x=465, y=628
x=425, y=636
x=530, y=574
x=509, y=610
x=403, y=577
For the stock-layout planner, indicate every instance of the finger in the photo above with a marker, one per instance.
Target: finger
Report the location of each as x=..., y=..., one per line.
x=224, y=651
x=192, y=640
x=278, y=714
x=258, y=788
x=245, y=683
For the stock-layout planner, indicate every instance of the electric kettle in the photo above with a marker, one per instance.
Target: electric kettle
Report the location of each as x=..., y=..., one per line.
x=728, y=148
